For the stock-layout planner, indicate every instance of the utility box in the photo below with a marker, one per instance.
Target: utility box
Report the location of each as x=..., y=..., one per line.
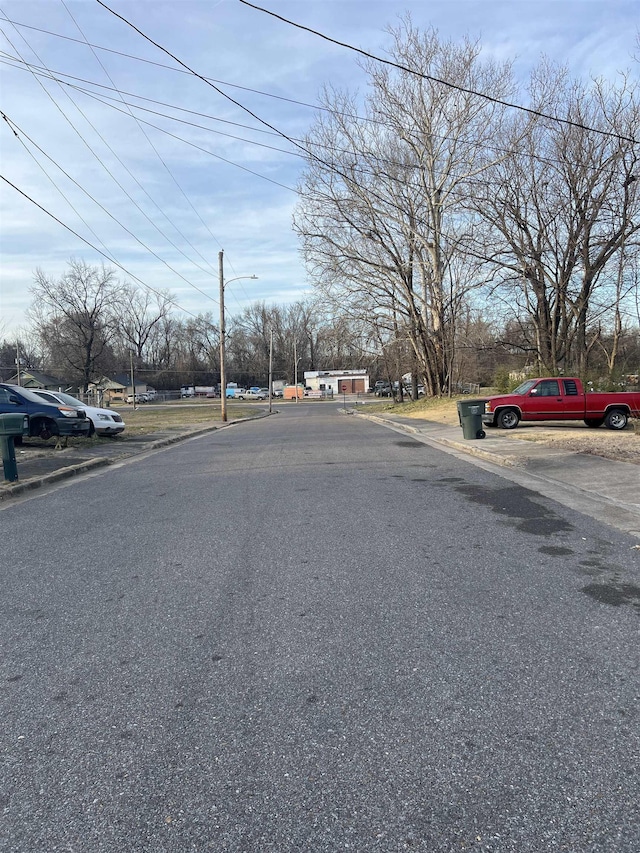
x=11, y=426
x=470, y=414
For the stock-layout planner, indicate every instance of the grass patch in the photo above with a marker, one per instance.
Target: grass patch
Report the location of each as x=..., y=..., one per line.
x=178, y=416
x=440, y=409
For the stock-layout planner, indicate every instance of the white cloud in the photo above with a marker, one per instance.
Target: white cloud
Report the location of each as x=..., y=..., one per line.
x=246, y=214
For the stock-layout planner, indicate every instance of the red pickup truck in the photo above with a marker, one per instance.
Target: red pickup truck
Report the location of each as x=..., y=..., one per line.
x=561, y=399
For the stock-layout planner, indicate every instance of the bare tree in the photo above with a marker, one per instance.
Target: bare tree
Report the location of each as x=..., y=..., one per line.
x=378, y=217
x=76, y=318
x=561, y=209
x=142, y=312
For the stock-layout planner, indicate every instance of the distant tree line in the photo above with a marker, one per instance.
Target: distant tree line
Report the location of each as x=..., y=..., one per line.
x=88, y=324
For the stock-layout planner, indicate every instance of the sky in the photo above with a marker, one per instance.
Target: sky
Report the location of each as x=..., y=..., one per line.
x=159, y=196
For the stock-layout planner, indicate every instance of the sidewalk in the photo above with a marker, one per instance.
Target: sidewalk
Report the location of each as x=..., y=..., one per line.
x=601, y=488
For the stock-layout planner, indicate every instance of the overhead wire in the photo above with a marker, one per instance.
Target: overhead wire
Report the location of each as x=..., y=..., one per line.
x=318, y=107
x=262, y=121
x=303, y=103
x=14, y=127
x=237, y=103
x=51, y=180
x=292, y=140
x=116, y=181
x=99, y=251
x=441, y=82
x=369, y=155
x=154, y=149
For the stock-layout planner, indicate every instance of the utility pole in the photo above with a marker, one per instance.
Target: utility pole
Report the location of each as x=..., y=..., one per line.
x=270, y=369
x=223, y=377
x=133, y=384
x=295, y=367
x=18, y=362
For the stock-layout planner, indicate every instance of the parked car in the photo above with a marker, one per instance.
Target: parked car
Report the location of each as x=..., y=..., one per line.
x=137, y=398
x=103, y=421
x=277, y=392
x=250, y=394
x=46, y=419
x=383, y=390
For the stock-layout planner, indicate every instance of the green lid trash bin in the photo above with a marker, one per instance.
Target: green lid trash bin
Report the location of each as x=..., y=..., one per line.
x=470, y=414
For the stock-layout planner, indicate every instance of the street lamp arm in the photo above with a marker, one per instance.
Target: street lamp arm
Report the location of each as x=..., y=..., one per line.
x=229, y=280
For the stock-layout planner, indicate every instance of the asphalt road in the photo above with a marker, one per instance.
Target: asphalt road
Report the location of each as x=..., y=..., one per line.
x=310, y=633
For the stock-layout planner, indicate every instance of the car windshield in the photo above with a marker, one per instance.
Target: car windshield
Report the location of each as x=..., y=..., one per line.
x=526, y=386
x=58, y=397
x=28, y=395
x=68, y=399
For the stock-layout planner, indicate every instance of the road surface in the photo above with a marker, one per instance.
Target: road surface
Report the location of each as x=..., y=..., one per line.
x=311, y=633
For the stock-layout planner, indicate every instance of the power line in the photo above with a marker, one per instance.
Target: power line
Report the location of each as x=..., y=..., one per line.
x=163, y=65
x=368, y=155
x=441, y=82
x=318, y=107
x=113, y=177
x=96, y=249
x=156, y=152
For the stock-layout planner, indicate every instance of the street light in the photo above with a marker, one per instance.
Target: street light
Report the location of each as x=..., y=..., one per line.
x=223, y=377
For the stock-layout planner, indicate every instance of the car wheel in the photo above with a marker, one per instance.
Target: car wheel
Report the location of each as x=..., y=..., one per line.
x=45, y=429
x=508, y=419
x=92, y=429
x=594, y=422
x=616, y=419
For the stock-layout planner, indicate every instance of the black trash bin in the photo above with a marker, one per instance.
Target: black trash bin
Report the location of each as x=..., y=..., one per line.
x=470, y=414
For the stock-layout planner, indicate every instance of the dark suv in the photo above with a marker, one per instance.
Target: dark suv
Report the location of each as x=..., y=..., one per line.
x=45, y=419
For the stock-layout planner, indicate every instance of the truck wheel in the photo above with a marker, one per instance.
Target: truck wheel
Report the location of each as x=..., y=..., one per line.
x=44, y=429
x=508, y=419
x=594, y=422
x=616, y=419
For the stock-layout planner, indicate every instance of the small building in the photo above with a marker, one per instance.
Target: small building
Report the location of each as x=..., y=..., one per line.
x=37, y=379
x=107, y=390
x=337, y=381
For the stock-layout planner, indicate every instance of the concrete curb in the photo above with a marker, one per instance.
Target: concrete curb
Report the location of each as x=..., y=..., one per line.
x=456, y=445
x=12, y=490
x=619, y=513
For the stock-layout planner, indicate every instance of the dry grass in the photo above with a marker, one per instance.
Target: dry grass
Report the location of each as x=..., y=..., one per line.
x=179, y=415
x=574, y=436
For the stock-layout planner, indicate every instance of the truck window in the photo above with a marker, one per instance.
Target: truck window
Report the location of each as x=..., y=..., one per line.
x=570, y=387
x=548, y=388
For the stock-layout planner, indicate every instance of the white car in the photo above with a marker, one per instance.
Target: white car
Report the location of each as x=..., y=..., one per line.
x=103, y=421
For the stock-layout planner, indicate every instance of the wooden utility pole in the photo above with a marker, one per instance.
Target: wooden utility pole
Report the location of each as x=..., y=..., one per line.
x=223, y=376
x=270, y=369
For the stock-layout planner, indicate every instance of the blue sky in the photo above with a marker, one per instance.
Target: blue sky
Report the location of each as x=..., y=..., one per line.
x=172, y=206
